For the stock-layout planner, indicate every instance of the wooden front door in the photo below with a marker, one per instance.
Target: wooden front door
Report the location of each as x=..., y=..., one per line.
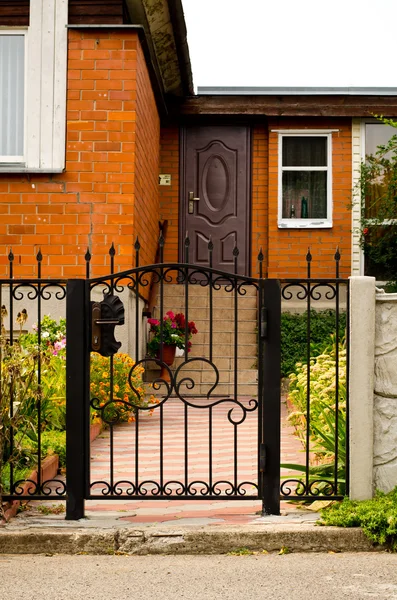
x=215, y=194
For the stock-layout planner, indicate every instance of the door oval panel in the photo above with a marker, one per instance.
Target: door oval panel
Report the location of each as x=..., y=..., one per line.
x=215, y=183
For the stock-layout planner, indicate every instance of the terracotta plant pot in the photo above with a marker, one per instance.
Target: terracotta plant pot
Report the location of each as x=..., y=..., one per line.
x=168, y=358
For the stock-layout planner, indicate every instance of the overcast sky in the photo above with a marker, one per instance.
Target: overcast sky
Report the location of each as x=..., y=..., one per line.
x=292, y=42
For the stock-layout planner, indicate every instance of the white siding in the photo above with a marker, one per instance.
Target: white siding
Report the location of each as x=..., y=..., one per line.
x=46, y=84
x=356, y=210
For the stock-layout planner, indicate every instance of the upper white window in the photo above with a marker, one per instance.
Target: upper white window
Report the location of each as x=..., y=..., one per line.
x=33, y=91
x=305, y=180
x=375, y=134
x=12, y=97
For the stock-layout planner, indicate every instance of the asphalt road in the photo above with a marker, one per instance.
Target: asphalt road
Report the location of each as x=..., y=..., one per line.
x=287, y=577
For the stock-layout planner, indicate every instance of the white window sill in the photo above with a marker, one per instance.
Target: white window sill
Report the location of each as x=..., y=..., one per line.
x=24, y=169
x=304, y=224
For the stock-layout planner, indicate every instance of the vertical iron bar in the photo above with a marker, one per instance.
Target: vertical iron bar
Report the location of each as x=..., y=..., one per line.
x=236, y=292
x=236, y=283
x=187, y=244
x=112, y=252
x=87, y=258
x=161, y=258
x=77, y=395
x=161, y=448
x=261, y=398
x=186, y=450
x=308, y=335
x=347, y=449
x=235, y=450
x=211, y=291
x=337, y=259
x=137, y=248
x=210, y=447
x=39, y=351
x=136, y=451
x=271, y=384
x=11, y=312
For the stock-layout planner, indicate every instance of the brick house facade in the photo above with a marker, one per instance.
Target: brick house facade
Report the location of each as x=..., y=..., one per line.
x=129, y=100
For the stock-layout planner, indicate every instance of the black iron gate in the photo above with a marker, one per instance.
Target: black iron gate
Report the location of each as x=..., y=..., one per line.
x=207, y=427
x=180, y=432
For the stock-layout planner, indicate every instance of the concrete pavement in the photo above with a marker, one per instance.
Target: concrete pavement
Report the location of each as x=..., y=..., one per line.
x=291, y=576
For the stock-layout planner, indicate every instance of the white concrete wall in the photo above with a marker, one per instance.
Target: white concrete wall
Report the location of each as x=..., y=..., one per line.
x=361, y=385
x=356, y=267
x=385, y=393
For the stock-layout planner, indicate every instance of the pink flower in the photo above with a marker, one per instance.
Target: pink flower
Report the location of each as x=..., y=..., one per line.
x=170, y=315
x=153, y=322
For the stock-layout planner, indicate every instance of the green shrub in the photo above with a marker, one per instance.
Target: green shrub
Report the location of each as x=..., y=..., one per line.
x=294, y=336
x=54, y=442
x=323, y=432
x=376, y=517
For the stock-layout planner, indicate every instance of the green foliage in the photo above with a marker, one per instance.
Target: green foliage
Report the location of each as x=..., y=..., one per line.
x=324, y=434
x=18, y=400
x=51, y=332
x=378, y=189
x=125, y=396
x=376, y=517
x=294, y=336
x=54, y=442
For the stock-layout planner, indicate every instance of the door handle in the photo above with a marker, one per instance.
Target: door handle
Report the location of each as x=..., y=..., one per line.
x=192, y=200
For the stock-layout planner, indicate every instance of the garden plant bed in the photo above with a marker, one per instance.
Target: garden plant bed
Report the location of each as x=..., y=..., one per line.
x=49, y=470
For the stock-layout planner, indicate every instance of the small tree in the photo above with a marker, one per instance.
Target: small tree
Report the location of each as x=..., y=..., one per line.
x=378, y=225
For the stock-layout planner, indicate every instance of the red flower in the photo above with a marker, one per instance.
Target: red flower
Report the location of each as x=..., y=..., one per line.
x=192, y=327
x=153, y=322
x=365, y=230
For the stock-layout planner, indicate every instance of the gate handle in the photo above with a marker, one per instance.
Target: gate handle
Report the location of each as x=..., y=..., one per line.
x=191, y=202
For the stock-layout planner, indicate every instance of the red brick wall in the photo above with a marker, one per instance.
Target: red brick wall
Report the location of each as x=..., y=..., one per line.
x=92, y=203
x=284, y=249
x=259, y=186
x=169, y=195
x=147, y=151
x=288, y=247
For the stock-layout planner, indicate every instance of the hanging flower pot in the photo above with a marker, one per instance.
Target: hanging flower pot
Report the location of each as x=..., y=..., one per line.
x=168, y=358
x=171, y=333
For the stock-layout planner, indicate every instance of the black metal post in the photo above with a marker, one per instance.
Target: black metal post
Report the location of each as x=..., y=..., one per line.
x=270, y=337
x=77, y=395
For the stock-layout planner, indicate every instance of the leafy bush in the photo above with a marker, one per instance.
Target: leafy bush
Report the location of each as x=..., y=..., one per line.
x=294, y=336
x=376, y=517
x=51, y=333
x=124, y=394
x=19, y=390
x=322, y=426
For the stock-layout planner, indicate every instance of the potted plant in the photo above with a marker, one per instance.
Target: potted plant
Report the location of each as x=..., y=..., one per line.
x=171, y=334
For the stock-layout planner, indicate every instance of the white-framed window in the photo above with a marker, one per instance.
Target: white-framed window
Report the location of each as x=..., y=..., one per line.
x=13, y=45
x=305, y=179
x=374, y=134
x=33, y=91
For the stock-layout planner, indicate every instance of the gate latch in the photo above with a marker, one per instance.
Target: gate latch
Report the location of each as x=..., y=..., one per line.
x=105, y=316
x=262, y=458
x=263, y=331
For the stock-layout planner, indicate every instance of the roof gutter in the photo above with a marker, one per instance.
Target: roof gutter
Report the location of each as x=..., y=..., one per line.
x=179, y=26
x=296, y=91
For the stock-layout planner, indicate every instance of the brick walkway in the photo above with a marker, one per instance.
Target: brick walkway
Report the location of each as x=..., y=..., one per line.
x=161, y=511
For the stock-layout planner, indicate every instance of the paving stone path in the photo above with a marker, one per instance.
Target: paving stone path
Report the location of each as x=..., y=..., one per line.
x=186, y=511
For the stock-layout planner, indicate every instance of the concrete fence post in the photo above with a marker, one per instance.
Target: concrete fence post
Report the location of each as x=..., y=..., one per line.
x=361, y=386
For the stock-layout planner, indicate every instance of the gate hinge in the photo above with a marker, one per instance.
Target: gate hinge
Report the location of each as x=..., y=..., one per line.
x=262, y=458
x=263, y=331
